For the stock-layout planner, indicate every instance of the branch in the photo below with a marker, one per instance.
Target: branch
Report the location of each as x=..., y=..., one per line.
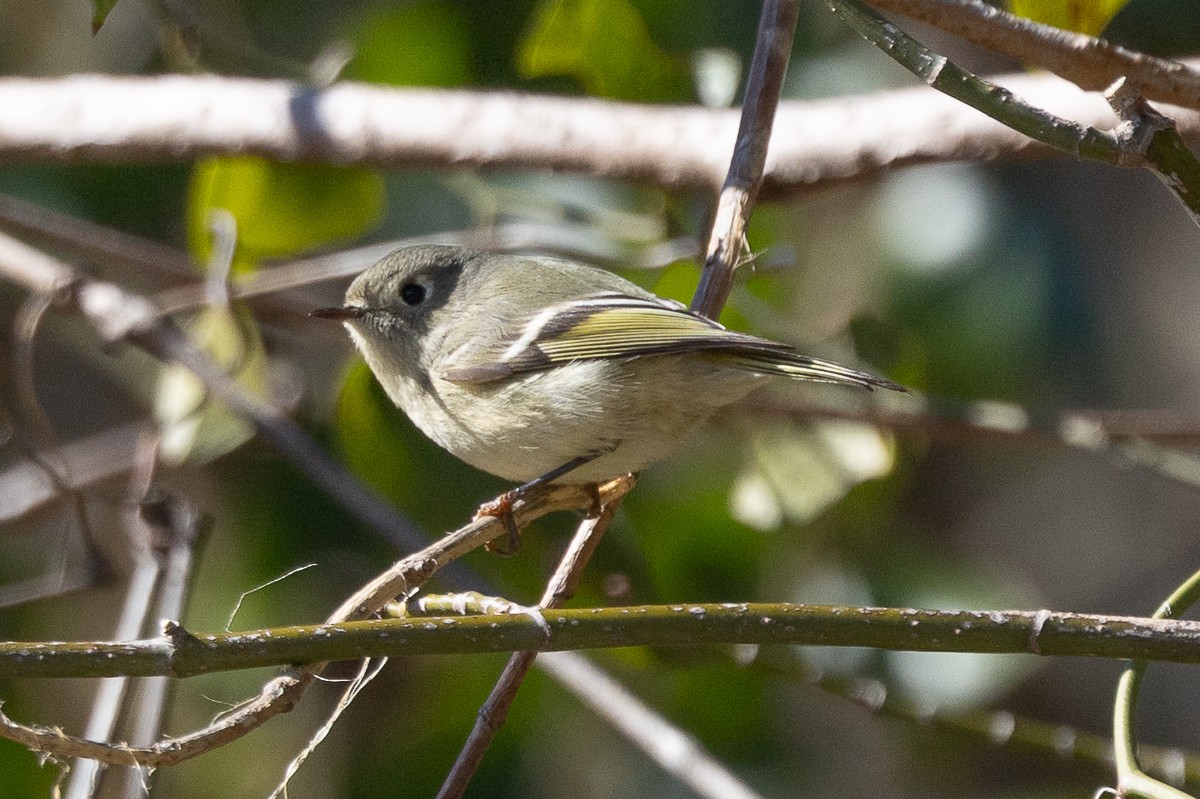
x=137, y=120
x=1158, y=144
x=988, y=422
x=119, y=315
x=116, y=313
x=1042, y=632
x=1146, y=138
x=492, y=716
x=1131, y=780
x=1068, y=135
x=1084, y=60
x=988, y=727
x=727, y=239
x=280, y=694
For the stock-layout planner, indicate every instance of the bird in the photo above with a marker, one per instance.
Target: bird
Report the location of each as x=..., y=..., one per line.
x=540, y=369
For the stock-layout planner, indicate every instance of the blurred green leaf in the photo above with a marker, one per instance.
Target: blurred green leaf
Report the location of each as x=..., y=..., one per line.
x=677, y=282
x=717, y=559
x=798, y=472
x=418, y=44
x=195, y=428
x=890, y=349
x=1083, y=16
x=369, y=434
x=725, y=720
x=604, y=44
x=280, y=209
x=100, y=9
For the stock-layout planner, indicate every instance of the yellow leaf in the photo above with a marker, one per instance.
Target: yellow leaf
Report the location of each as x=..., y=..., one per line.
x=1081, y=16
x=280, y=209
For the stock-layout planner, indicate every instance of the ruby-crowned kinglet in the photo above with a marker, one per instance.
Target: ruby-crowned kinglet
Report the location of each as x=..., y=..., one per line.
x=519, y=365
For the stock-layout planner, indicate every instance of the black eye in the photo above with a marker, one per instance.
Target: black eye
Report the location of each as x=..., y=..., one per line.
x=413, y=293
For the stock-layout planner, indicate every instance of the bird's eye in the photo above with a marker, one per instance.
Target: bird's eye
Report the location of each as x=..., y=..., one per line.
x=413, y=293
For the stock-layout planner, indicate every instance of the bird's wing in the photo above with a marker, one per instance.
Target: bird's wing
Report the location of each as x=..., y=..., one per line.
x=614, y=325
x=602, y=326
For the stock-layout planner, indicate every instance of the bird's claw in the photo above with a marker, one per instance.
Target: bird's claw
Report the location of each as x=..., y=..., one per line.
x=502, y=508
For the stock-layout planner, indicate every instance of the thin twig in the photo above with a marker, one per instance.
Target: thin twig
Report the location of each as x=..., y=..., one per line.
x=120, y=315
x=116, y=314
x=407, y=575
x=94, y=242
x=681, y=755
x=494, y=713
x=368, y=670
x=280, y=694
x=1084, y=60
x=726, y=240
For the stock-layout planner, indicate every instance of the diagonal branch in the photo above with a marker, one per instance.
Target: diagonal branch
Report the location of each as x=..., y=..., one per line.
x=280, y=694
x=1084, y=60
x=119, y=315
x=116, y=313
x=494, y=713
x=997, y=102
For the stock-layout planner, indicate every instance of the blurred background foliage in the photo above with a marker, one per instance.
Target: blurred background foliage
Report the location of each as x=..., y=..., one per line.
x=1052, y=285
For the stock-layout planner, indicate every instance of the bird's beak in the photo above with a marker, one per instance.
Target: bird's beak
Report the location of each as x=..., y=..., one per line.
x=343, y=312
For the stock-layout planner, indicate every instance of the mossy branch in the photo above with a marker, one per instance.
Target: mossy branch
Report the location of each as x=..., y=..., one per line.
x=1145, y=138
x=182, y=654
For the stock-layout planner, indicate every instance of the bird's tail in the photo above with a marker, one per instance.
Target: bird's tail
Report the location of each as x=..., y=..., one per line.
x=803, y=367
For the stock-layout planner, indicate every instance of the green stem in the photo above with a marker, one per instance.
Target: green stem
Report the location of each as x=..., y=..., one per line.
x=1148, y=139
x=1177, y=167
x=1131, y=780
x=995, y=101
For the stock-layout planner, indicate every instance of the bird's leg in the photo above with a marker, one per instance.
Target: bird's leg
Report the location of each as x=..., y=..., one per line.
x=502, y=506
